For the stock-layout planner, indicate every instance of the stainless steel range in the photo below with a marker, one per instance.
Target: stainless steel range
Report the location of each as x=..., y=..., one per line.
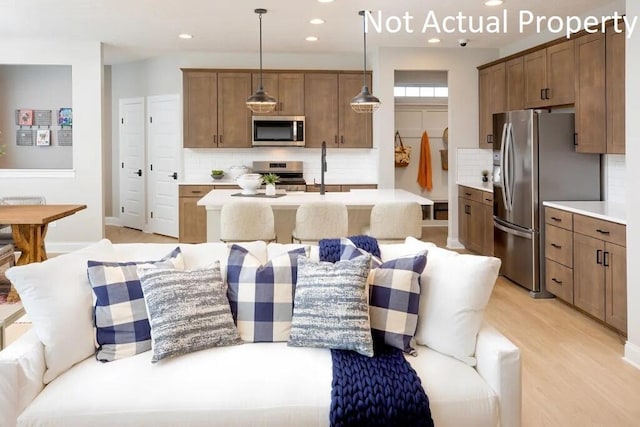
x=290, y=173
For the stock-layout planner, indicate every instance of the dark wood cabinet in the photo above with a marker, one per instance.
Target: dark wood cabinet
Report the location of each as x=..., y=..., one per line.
x=328, y=112
x=615, y=77
x=590, y=91
x=492, y=93
x=192, y=218
x=549, y=75
x=215, y=114
x=287, y=88
x=473, y=220
x=515, y=84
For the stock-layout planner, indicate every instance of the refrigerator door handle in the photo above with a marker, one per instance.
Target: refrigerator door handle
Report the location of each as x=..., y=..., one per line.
x=508, y=174
x=503, y=172
x=510, y=230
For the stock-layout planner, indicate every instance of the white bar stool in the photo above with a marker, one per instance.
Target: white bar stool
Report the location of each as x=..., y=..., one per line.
x=247, y=221
x=320, y=220
x=392, y=222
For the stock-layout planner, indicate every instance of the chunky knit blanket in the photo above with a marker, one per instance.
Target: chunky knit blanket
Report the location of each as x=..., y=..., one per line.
x=330, y=248
x=383, y=390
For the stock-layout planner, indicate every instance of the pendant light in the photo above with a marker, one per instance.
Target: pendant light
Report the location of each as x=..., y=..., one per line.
x=260, y=101
x=364, y=102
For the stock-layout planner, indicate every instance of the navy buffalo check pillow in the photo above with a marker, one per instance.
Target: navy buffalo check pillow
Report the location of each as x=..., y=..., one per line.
x=120, y=313
x=394, y=297
x=261, y=296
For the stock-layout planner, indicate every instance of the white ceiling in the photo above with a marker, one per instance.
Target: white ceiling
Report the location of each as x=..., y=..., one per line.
x=133, y=29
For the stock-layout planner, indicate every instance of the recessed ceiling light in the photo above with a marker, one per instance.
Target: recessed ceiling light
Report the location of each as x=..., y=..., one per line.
x=325, y=1
x=433, y=40
x=493, y=2
x=316, y=21
x=185, y=36
x=311, y=39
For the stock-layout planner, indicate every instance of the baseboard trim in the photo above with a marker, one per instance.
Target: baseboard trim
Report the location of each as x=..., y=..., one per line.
x=454, y=244
x=65, y=247
x=112, y=220
x=632, y=354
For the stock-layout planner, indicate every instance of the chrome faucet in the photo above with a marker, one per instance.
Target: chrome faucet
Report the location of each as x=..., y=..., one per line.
x=323, y=165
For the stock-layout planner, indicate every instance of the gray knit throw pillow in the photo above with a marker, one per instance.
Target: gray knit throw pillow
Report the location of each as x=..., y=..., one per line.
x=188, y=310
x=331, y=307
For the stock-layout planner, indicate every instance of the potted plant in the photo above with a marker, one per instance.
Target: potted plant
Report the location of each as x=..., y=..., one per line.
x=269, y=180
x=217, y=174
x=485, y=175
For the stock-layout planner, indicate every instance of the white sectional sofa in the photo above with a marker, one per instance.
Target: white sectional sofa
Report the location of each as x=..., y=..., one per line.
x=50, y=377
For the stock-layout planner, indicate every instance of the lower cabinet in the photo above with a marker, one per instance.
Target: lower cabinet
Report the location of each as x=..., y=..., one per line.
x=586, y=265
x=192, y=218
x=475, y=220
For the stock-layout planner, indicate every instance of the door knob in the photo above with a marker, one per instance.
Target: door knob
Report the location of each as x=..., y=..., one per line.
x=139, y=172
x=174, y=175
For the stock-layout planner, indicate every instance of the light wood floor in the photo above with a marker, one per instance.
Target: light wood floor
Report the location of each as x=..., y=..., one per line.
x=573, y=372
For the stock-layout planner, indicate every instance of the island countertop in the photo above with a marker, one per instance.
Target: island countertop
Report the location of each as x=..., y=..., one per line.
x=215, y=199
x=359, y=203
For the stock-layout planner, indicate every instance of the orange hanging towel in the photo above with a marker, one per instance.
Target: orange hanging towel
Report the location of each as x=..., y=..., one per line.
x=425, y=180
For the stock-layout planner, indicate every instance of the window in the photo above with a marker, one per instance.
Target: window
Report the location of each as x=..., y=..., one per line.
x=421, y=91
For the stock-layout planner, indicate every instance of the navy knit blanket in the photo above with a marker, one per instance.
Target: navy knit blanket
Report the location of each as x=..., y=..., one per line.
x=383, y=390
x=330, y=248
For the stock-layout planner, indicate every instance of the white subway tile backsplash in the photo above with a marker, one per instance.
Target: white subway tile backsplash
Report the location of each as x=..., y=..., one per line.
x=615, y=178
x=343, y=165
x=471, y=162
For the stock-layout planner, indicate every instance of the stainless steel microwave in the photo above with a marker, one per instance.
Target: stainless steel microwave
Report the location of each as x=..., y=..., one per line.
x=277, y=131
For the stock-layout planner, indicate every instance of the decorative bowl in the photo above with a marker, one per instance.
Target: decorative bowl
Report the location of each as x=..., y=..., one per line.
x=249, y=182
x=217, y=174
x=237, y=171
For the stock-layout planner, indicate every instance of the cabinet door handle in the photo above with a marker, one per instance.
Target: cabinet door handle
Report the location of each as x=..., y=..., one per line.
x=341, y=139
x=196, y=191
x=335, y=139
x=556, y=246
x=467, y=194
x=220, y=138
x=555, y=218
x=541, y=93
x=467, y=209
x=488, y=200
x=599, y=256
x=605, y=232
x=559, y=282
x=548, y=93
x=605, y=259
x=575, y=139
x=215, y=139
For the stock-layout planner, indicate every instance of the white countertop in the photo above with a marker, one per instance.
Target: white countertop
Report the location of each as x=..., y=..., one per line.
x=354, y=198
x=477, y=184
x=608, y=211
x=210, y=181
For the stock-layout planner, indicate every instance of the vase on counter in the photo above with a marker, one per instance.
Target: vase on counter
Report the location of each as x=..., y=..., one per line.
x=270, y=189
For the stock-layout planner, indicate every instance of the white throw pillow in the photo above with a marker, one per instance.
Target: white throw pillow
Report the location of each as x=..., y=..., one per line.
x=455, y=291
x=58, y=298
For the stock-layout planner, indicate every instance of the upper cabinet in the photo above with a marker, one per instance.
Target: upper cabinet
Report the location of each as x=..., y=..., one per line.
x=590, y=91
x=287, y=88
x=548, y=76
x=615, y=76
x=328, y=112
x=515, y=83
x=215, y=114
x=493, y=98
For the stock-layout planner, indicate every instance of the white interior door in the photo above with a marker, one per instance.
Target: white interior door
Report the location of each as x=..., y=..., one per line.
x=163, y=143
x=132, y=163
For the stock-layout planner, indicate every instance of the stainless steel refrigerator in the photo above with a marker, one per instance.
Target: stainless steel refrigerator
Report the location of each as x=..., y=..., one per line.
x=534, y=160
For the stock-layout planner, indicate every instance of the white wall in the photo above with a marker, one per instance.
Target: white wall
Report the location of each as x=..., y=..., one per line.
x=83, y=183
x=632, y=348
x=461, y=65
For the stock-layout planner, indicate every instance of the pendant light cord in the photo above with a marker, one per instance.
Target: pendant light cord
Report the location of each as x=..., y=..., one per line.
x=364, y=33
x=260, y=18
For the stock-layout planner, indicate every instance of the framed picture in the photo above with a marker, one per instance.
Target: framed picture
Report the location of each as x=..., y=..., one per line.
x=65, y=117
x=43, y=137
x=25, y=117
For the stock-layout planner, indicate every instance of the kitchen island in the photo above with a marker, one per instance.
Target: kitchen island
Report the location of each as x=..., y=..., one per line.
x=358, y=202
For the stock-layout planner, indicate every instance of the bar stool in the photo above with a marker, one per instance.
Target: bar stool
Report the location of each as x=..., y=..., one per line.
x=247, y=221
x=320, y=220
x=394, y=221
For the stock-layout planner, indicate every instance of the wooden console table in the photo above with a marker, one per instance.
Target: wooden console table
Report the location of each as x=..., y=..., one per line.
x=29, y=227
